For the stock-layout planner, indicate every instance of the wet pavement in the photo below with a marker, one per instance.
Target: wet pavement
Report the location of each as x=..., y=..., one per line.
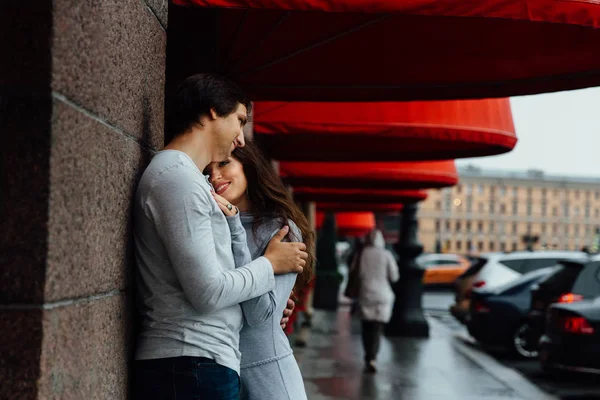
x=439, y=367
x=563, y=385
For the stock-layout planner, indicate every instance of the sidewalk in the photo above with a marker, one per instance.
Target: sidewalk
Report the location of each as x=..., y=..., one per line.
x=441, y=367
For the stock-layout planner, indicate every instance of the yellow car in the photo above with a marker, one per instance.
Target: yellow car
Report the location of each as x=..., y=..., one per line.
x=442, y=269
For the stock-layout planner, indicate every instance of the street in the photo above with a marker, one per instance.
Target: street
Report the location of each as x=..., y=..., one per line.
x=563, y=385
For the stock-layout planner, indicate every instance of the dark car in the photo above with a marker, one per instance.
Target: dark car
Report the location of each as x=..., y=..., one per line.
x=499, y=317
x=554, y=288
x=572, y=337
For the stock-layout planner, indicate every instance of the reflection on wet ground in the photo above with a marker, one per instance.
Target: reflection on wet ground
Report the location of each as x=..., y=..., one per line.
x=415, y=369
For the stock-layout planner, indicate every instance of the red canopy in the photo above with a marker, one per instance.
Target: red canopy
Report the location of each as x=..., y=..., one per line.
x=431, y=130
x=371, y=50
x=370, y=175
x=359, y=195
x=354, y=223
x=372, y=207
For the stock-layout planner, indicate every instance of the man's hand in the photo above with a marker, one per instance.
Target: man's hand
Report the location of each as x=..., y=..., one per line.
x=287, y=313
x=286, y=257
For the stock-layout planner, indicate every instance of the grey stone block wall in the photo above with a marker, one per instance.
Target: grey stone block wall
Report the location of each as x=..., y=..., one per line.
x=81, y=111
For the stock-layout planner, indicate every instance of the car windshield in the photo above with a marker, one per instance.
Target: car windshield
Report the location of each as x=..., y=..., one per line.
x=528, y=279
x=564, y=274
x=587, y=283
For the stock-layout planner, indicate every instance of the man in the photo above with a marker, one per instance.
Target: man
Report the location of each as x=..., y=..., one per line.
x=189, y=290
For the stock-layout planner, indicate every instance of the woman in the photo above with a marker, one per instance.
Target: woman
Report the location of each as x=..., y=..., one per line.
x=247, y=181
x=377, y=269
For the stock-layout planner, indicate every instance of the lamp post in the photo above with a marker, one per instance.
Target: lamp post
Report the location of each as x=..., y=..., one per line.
x=407, y=317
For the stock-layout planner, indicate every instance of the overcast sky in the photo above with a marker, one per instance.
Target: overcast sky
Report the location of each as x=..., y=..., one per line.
x=558, y=133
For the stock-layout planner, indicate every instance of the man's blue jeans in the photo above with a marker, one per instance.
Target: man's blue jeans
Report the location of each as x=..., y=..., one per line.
x=183, y=378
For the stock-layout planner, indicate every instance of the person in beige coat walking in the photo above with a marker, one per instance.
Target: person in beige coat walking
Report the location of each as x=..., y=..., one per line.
x=377, y=271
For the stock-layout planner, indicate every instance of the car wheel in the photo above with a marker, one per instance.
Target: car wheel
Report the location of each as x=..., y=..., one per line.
x=522, y=342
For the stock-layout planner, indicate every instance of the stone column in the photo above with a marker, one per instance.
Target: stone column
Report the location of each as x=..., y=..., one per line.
x=81, y=112
x=407, y=318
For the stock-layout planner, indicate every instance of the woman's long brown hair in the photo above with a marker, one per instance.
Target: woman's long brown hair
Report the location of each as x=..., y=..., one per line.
x=269, y=198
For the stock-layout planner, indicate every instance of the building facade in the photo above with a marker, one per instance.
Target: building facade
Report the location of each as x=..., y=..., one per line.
x=494, y=210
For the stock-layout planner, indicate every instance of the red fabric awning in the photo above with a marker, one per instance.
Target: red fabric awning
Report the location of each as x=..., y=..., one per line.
x=371, y=50
x=370, y=175
x=359, y=195
x=354, y=223
x=372, y=207
x=392, y=131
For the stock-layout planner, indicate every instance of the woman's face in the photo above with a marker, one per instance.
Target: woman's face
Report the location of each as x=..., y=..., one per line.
x=229, y=181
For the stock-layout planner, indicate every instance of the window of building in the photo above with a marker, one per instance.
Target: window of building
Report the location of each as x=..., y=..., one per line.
x=480, y=227
x=459, y=189
x=480, y=246
x=596, y=213
x=502, y=246
x=468, y=226
x=502, y=190
x=587, y=194
x=554, y=211
x=491, y=226
x=515, y=207
x=529, y=208
x=469, y=246
x=492, y=247
x=492, y=191
x=544, y=228
x=514, y=246
x=458, y=226
x=576, y=229
x=437, y=226
x=502, y=209
x=438, y=205
x=529, y=192
x=587, y=210
x=448, y=203
x=554, y=229
x=514, y=227
x=597, y=195
x=481, y=206
x=515, y=191
x=458, y=245
x=469, y=204
x=480, y=188
x=529, y=227
x=492, y=207
x=544, y=206
x=448, y=244
x=501, y=228
x=576, y=211
x=447, y=226
x=468, y=189
x=566, y=210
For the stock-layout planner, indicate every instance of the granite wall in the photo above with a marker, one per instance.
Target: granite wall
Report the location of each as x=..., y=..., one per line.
x=82, y=88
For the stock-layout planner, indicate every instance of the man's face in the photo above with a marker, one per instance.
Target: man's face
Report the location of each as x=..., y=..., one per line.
x=229, y=133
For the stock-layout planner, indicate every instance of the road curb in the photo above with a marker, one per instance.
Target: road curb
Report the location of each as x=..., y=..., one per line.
x=508, y=376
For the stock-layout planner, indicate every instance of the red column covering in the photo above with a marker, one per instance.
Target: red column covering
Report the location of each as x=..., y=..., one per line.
x=372, y=50
x=379, y=131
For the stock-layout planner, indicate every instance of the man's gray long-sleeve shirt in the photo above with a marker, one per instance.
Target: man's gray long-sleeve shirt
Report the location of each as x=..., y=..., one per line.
x=187, y=285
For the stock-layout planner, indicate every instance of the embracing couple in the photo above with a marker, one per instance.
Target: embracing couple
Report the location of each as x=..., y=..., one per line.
x=219, y=245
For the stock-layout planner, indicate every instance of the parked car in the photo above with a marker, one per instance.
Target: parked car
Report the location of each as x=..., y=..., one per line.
x=498, y=316
x=555, y=288
x=492, y=270
x=443, y=268
x=572, y=338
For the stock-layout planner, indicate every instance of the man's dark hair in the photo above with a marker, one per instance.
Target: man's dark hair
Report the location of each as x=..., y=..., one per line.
x=195, y=97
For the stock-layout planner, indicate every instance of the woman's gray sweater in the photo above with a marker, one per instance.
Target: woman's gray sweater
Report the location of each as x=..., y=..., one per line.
x=269, y=370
